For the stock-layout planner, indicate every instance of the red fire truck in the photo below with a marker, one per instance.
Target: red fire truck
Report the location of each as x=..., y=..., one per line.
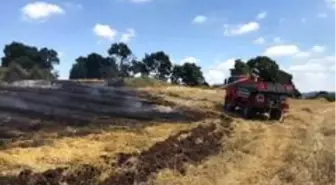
x=253, y=97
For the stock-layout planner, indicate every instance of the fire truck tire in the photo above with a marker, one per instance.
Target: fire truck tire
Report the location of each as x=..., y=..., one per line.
x=248, y=112
x=228, y=106
x=276, y=114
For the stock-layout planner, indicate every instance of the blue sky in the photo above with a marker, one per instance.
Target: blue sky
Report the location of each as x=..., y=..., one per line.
x=298, y=34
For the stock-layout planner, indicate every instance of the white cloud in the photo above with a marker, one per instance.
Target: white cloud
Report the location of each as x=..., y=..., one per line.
x=189, y=60
x=261, y=15
x=140, y=1
x=333, y=68
x=199, y=19
x=325, y=60
x=259, y=40
x=330, y=59
x=105, y=31
x=302, y=54
x=281, y=50
x=313, y=81
x=322, y=15
x=240, y=29
x=315, y=74
x=318, y=49
x=41, y=10
x=219, y=72
x=311, y=53
x=308, y=67
x=277, y=40
x=126, y=37
x=73, y=6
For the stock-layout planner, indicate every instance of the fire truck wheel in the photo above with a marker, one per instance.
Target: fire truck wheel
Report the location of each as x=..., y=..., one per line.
x=247, y=112
x=228, y=106
x=276, y=114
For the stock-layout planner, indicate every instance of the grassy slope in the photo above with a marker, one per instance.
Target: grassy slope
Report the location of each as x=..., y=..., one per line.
x=298, y=151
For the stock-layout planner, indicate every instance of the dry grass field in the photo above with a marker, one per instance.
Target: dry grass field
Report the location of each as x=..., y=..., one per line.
x=298, y=151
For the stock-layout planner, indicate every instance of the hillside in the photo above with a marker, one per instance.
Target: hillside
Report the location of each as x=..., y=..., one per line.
x=185, y=140
x=330, y=96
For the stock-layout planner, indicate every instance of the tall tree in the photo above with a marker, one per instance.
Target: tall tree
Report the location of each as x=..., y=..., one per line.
x=79, y=69
x=94, y=66
x=48, y=57
x=109, y=68
x=192, y=74
x=284, y=77
x=30, y=58
x=16, y=50
x=240, y=68
x=158, y=63
x=139, y=67
x=189, y=74
x=94, y=63
x=176, y=74
x=122, y=54
x=268, y=68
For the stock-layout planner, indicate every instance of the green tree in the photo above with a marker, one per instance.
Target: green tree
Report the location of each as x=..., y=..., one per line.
x=122, y=54
x=158, y=63
x=240, y=68
x=176, y=74
x=94, y=63
x=79, y=69
x=29, y=56
x=284, y=77
x=191, y=74
x=47, y=58
x=94, y=66
x=109, y=68
x=139, y=67
x=269, y=69
x=30, y=59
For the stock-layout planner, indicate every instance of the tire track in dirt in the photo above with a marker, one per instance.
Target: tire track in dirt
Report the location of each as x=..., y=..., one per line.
x=187, y=147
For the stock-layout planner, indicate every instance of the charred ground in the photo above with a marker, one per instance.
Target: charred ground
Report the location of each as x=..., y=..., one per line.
x=203, y=146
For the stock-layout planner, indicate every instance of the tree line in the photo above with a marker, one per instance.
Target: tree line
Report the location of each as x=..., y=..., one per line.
x=121, y=62
x=22, y=61
x=28, y=62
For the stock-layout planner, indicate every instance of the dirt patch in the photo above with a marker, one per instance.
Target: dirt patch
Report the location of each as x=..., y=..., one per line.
x=187, y=147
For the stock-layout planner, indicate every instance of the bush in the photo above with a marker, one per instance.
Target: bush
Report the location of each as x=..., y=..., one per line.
x=37, y=73
x=14, y=72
